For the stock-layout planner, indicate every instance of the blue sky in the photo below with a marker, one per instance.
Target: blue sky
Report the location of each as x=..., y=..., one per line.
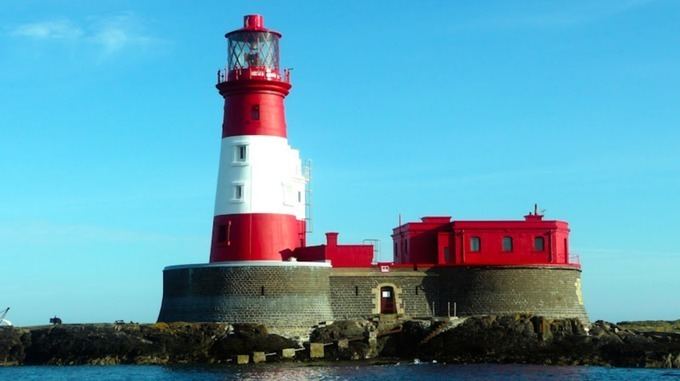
x=110, y=132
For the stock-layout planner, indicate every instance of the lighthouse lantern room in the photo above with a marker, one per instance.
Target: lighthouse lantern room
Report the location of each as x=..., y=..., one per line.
x=260, y=201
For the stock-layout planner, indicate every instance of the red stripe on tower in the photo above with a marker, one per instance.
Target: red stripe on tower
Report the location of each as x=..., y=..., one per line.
x=259, y=206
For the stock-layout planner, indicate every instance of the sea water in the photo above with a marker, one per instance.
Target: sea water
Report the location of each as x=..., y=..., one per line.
x=293, y=371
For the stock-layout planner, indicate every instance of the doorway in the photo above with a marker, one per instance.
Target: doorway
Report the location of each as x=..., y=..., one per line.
x=387, y=305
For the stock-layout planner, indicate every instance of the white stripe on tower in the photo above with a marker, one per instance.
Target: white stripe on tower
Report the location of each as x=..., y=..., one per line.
x=260, y=174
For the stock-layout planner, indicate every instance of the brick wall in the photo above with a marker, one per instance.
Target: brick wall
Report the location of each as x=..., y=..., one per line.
x=280, y=296
x=300, y=297
x=475, y=290
x=354, y=292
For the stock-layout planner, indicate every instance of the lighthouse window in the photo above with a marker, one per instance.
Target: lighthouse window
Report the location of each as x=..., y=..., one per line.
x=299, y=197
x=507, y=243
x=238, y=192
x=255, y=112
x=539, y=243
x=475, y=244
x=222, y=233
x=242, y=153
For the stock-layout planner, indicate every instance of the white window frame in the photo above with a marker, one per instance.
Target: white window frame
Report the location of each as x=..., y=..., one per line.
x=235, y=190
x=237, y=160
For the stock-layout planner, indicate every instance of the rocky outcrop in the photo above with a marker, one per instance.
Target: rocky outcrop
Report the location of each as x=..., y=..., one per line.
x=507, y=339
x=13, y=342
x=159, y=343
x=527, y=339
x=483, y=339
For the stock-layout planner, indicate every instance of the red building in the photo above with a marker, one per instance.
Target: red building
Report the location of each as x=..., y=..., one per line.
x=440, y=241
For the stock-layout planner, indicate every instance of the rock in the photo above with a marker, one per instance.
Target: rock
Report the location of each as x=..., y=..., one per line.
x=248, y=338
x=13, y=344
x=342, y=329
x=489, y=339
x=358, y=334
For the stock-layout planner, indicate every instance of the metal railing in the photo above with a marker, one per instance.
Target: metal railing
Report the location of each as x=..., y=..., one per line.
x=225, y=75
x=574, y=259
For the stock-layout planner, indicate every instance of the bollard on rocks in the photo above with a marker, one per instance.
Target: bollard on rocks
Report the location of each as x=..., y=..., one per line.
x=242, y=359
x=259, y=357
x=316, y=350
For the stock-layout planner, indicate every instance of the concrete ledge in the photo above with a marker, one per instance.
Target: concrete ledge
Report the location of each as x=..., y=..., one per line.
x=248, y=264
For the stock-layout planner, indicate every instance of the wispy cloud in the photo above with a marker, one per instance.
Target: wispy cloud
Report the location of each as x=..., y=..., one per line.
x=48, y=30
x=113, y=34
x=110, y=34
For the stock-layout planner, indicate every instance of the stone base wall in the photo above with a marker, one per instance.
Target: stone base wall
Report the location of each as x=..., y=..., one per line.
x=298, y=297
x=354, y=292
x=554, y=292
x=285, y=296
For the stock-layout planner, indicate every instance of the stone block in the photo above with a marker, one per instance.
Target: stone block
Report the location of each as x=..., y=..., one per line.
x=288, y=353
x=242, y=359
x=259, y=357
x=316, y=350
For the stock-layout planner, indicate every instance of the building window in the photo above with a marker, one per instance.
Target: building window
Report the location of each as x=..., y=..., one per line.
x=238, y=192
x=221, y=233
x=507, y=243
x=262, y=291
x=475, y=244
x=356, y=290
x=299, y=197
x=539, y=243
x=255, y=112
x=241, y=153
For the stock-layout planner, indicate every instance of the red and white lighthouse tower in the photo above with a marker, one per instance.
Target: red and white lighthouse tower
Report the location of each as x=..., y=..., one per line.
x=260, y=202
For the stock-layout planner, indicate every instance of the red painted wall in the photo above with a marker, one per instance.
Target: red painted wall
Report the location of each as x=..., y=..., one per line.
x=239, y=99
x=338, y=255
x=257, y=236
x=416, y=242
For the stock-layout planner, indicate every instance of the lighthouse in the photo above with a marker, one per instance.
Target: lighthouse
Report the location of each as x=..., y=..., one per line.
x=262, y=270
x=260, y=198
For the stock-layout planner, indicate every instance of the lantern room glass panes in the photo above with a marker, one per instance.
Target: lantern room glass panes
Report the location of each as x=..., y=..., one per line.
x=253, y=49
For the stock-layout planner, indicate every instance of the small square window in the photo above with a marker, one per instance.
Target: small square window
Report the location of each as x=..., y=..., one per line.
x=539, y=243
x=255, y=112
x=238, y=192
x=221, y=233
x=507, y=243
x=475, y=244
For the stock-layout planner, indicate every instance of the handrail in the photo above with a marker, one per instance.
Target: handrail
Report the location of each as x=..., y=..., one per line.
x=574, y=259
x=226, y=75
